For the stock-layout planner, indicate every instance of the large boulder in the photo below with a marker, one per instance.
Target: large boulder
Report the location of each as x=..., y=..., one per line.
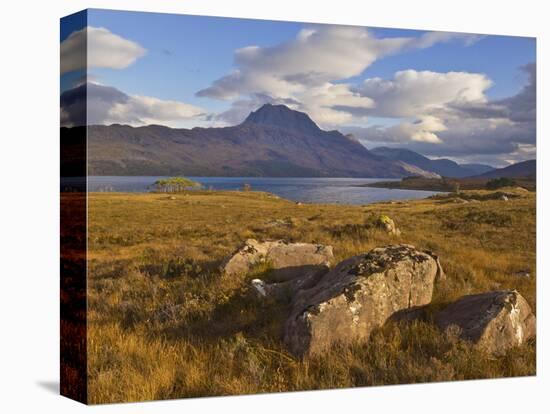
x=358, y=295
x=288, y=260
x=493, y=321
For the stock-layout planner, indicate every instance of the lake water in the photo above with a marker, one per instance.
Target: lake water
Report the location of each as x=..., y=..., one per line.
x=307, y=190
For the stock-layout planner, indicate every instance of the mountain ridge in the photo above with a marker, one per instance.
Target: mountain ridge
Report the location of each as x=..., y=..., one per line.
x=272, y=141
x=443, y=167
x=520, y=169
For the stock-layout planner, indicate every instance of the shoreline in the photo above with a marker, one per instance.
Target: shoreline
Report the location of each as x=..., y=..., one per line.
x=267, y=195
x=446, y=185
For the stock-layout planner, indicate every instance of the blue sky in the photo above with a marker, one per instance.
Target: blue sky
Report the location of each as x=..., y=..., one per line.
x=187, y=64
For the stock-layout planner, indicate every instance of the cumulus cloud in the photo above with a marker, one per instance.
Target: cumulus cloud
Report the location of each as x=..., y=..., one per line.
x=422, y=99
x=97, y=47
x=411, y=92
x=460, y=137
x=93, y=104
x=519, y=108
x=449, y=120
x=307, y=69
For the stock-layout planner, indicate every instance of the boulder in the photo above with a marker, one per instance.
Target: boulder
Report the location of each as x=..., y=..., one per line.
x=288, y=260
x=493, y=321
x=358, y=295
x=388, y=225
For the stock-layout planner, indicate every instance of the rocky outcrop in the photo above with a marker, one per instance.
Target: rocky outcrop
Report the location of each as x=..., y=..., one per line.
x=493, y=321
x=396, y=282
x=288, y=260
x=358, y=295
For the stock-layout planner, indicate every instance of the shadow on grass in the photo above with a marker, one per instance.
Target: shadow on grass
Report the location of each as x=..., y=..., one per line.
x=176, y=267
x=242, y=313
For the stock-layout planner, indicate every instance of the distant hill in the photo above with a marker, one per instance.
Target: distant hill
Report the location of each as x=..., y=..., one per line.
x=442, y=167
x=477, y=168
x=414, y=171
x=520, y=169
x=272, y=141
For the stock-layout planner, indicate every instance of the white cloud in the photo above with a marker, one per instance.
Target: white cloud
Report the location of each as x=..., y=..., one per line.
x=104, y=50
x=464, y=139
x=306, y=69
x=73, y=52
x=448, y=114
x=424, y=130
x=422, y=99
x=145, y=110
x=314, y=57
x=413, y=93
x=431, y=38
x=495, y=140
x=94, y=104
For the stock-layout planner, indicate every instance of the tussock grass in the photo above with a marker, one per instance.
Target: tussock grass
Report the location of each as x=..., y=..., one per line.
x=163, y=322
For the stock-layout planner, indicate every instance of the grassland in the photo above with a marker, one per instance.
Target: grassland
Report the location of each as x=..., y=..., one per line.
x=163, y=322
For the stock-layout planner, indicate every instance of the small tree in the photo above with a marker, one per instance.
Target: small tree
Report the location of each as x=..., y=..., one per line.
x=175, y=184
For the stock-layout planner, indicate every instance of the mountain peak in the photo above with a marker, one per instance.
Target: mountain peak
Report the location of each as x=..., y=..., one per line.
x=283, y=117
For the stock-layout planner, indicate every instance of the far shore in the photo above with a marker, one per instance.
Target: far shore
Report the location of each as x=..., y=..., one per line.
x=445, y=184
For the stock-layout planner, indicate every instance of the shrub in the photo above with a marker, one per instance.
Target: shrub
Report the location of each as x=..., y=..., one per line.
x=499, y=183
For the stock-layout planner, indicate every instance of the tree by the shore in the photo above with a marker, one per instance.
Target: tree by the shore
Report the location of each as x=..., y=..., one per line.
x=175, y=184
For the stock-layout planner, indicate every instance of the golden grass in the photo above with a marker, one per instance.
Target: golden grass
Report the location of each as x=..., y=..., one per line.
x=163, y=323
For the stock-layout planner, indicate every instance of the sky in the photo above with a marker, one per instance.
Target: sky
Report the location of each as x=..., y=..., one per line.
x=468, y=97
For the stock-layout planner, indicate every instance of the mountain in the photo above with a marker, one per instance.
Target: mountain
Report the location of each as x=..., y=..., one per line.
x=273, y=141
x=476, y=169
x=282, y=116
x=443, y=166
x=520, y=169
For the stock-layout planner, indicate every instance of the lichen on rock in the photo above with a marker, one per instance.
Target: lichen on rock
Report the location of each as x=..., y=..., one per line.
x=358, y=295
